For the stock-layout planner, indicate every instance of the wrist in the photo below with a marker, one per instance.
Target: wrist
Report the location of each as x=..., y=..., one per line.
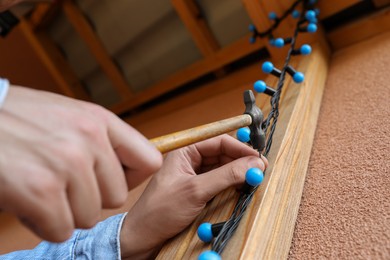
x=136, y=243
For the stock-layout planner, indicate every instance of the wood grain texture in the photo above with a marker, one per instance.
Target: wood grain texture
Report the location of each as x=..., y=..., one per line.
x=267, y=228
x=183, y=138
x=278, y=204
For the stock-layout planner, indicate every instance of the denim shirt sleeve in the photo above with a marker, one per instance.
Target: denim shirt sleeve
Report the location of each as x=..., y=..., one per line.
x=100, y=242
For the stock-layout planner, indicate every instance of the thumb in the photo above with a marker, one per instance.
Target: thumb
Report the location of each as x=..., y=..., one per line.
x=228, y=175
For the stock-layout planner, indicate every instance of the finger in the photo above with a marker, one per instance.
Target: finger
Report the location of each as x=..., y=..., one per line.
x=43, y=207
x=265, y=160
x=134, y=151
x=228, y=175
x=52, y=220
x=225, y=145
x=111, y=178
x=210, y=163
x=83, y=190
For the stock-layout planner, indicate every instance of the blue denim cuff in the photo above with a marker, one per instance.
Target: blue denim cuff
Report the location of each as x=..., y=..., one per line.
x=100, y=242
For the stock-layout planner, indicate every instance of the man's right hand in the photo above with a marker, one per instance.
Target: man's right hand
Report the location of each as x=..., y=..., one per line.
x=63, y=160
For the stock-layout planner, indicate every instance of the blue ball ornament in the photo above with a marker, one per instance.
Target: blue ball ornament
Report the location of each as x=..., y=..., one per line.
x=298, y=77
x=252, y=28
x=243, y=134
x=279, y=42
x=205, y=232
x=310, y=15
x=209, y=255
x=260, y=86
x=272, y=16
x=254, y=176
x=295, y=14
x=305, y=49
x=312, y=28
x=267, y=67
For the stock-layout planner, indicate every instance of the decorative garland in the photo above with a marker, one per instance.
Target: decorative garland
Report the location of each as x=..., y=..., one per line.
x=219, y=234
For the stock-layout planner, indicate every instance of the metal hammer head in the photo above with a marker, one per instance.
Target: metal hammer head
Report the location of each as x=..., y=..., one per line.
x=257, y=134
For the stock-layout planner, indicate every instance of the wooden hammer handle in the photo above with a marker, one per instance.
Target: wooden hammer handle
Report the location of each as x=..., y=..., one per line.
x=183, y=138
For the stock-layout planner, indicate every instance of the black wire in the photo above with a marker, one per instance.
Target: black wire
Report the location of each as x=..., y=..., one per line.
x=220, y=242
x=279, y=20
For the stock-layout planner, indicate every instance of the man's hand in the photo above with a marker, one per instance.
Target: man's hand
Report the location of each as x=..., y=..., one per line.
x=189, y=178
x=62, y=160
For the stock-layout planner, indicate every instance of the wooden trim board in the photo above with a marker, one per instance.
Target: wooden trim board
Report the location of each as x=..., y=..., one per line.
x=331, y=7
x=360, y=30
x=267, y=228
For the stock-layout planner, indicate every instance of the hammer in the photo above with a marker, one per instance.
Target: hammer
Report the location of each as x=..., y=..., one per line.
x=252, y=117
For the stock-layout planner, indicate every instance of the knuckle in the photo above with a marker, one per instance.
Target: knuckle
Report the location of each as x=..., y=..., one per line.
x=49, y=185
x=115, y=197
x=59, y=234
x=196, y=192
x=89, y=128
x=98, y=111
x=118, y=200
x=88, y=222
x=63, y=233
x=236, y=175
x=73, y=156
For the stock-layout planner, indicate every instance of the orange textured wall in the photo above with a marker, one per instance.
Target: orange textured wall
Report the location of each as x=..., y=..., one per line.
x=345, y=208
x=21, y=64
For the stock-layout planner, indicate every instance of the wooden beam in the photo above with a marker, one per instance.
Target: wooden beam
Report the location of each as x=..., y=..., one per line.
x=54, y=62
x=200, y=32
x=331, y=7
x=258, y=13
x=360, y=30
x=84, y=29
x=267, y=228
x=381, y=3
x=222, y=57
x=276, y=207
x=62, y=66
x=39, y=13
x=43, y=14
x=197, y=26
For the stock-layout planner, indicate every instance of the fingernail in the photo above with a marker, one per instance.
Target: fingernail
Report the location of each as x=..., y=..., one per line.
x=255, y=162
